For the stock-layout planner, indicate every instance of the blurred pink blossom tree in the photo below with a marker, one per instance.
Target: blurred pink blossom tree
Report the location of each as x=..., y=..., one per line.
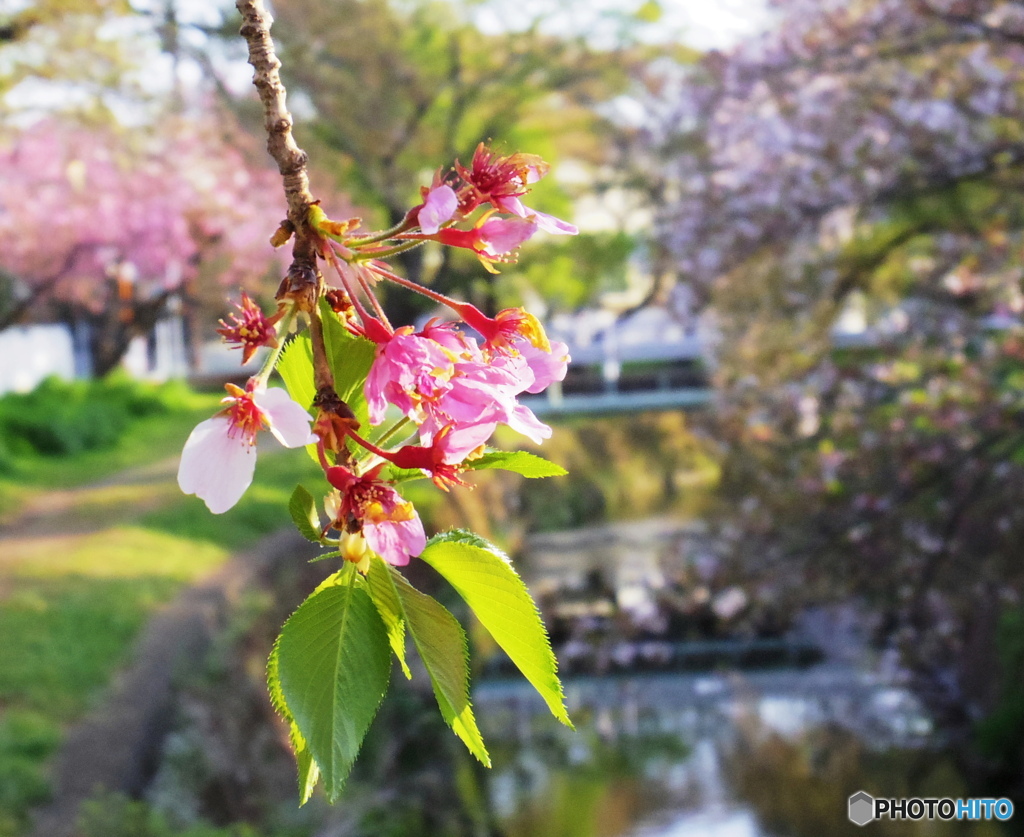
x=105, y=226
x=865, y=161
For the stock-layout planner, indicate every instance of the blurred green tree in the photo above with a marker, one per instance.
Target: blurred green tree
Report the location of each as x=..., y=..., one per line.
x=67, y=55
x=389, y=89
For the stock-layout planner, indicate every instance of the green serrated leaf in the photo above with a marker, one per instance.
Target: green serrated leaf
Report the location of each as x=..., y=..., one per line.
x=351, y=357
x=443, y=647
x=302, y=508
x=295, y=367
x=335, y=579
x=334, y=553
x=484, y=577
x=382, y=591
x=466, y=536
x=334, y=664
x=307, y=768
x=308, y=772
x=518, y=461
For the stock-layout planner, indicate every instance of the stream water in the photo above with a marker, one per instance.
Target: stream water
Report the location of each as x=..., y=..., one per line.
x=669, y=755
x=715, y=753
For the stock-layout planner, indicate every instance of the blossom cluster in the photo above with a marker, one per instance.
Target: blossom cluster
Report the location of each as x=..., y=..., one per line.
x=449, y=384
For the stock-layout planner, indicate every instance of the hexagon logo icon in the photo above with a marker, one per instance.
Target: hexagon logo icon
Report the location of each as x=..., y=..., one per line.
x=862, y=808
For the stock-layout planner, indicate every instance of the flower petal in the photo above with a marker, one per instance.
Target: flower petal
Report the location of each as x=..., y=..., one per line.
x=216, y=467
x=396, y=541
x=524, y=421
x=546, y=223
x=460, y=441
x=512, y=205
x=551, y=224
x=503, y=235
x=438, y=208
x=289, y=422
x=547, y=367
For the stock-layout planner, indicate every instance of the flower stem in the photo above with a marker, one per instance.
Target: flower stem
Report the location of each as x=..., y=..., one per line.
x=367, y=462
x=393, y=431
x=413, y=286
x=383, y=235
x=387, y=252
x=284, y=325
x=332, y=257
x=368, y=290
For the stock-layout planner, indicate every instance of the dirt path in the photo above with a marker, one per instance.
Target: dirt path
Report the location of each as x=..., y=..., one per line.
x=93, y=507
x=116, y=747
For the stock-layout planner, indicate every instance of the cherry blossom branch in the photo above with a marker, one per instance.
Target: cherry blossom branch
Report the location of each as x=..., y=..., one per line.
x=291, y=160
x=452, y=390
x=304, y=282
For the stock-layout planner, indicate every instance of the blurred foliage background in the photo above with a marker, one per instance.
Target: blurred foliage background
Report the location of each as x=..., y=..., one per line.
x=835, y=188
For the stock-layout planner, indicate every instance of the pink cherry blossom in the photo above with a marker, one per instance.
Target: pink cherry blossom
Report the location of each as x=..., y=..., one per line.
x=369, y=505
x=438, y=208
x=219, y=457
x=501, y=180
x=479, y=393
x=436, y=384
x=545, y=223
x=502, y=332
x=547, y=367
x=491, y=238
x=448, y=335
x=444, y=382
x=250, y=328
x=452, y=445
x=492, y=177
x=445, y=453
x=498, y=236
x=407, y=370
x=483, y=395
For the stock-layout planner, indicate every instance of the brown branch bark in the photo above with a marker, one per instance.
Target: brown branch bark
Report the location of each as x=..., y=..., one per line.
x=291, y=160
x=13, y=314
x=304, y=282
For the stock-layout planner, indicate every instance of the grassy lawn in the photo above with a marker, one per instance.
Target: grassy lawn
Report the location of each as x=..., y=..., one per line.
x=27, y=472
x=78, y=587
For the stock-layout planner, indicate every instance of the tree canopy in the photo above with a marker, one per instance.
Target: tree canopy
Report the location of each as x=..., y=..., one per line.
x=863, y=162
x=391, y=91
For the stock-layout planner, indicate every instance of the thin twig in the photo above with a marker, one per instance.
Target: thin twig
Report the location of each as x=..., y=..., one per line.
x=291, y=160
x=304, y=283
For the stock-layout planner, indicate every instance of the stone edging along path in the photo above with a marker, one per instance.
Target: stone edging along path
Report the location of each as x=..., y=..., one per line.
x=116, y=747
